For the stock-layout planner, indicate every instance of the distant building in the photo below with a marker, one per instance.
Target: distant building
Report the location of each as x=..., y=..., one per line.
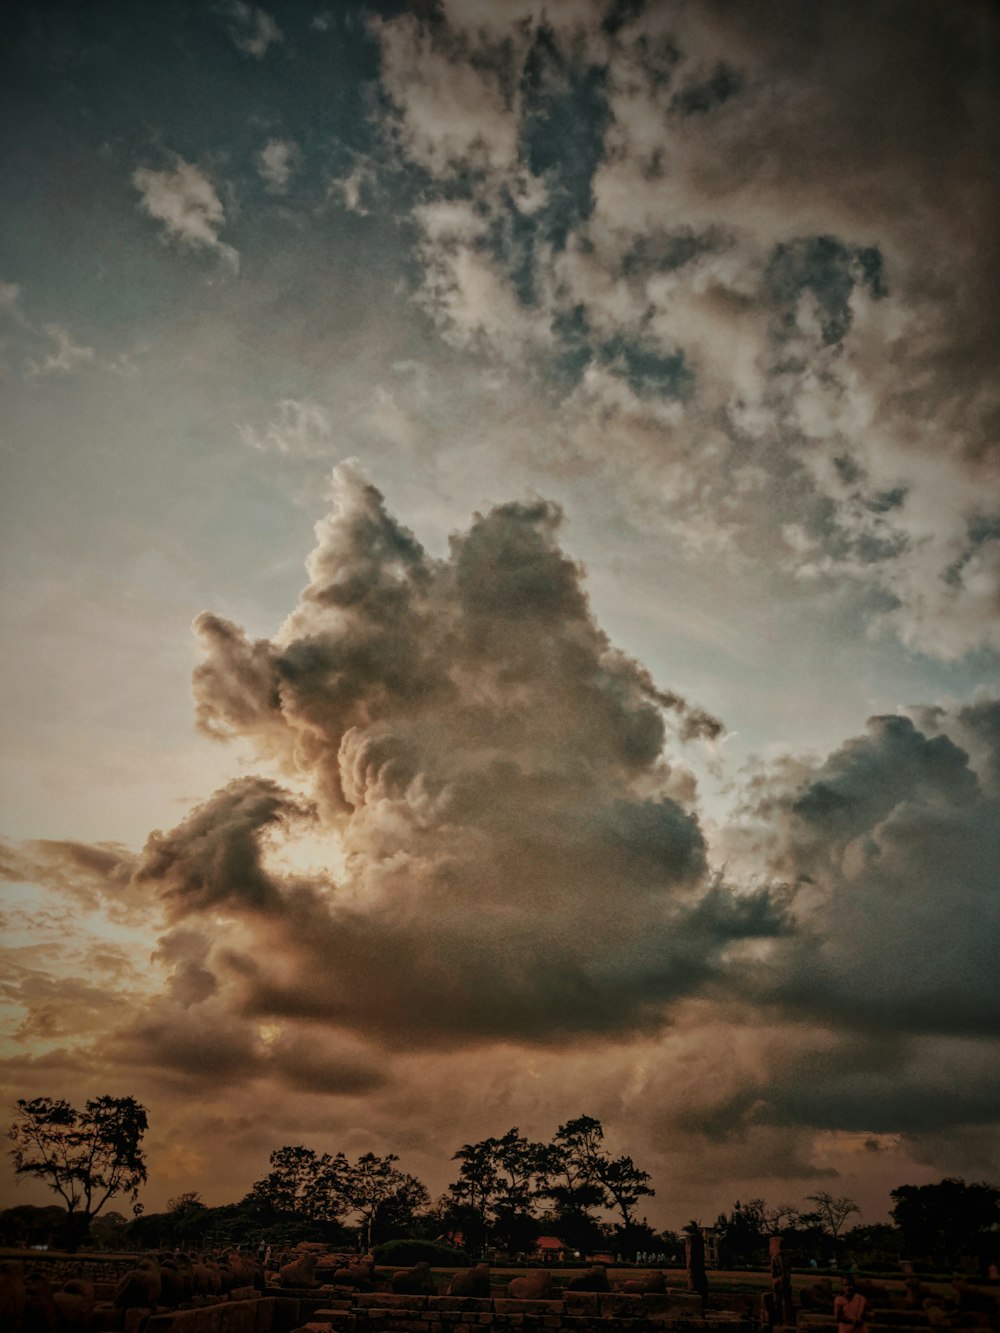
x=550, y=1250
x=711, y=1238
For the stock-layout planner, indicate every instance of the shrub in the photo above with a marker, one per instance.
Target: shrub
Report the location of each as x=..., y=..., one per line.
x=406, y=1253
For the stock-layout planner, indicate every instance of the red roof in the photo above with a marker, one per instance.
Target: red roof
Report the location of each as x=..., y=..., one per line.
x=549, y=1243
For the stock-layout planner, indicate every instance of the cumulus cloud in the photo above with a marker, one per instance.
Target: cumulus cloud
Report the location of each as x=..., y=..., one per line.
x=891, y=840
x=186, y=202
x=729, y=242
x=495, y=773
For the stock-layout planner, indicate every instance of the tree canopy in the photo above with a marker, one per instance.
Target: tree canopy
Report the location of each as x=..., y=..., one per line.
x=946, y=1222
x=86, y=1156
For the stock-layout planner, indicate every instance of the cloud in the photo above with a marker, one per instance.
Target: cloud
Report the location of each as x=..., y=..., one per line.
x=95, y=874
x=276, y=163
x=698, y=224
x=212, y=861
x=66, y=355
x=891, y=841
x=301, y=429
x=494, y=771
x=185, y=201
x=253, y=31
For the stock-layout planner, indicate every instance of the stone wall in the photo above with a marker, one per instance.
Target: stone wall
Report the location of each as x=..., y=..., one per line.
x=279, y=1311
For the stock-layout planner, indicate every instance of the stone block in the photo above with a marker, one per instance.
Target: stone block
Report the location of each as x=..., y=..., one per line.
x=581, y=1302
x=386, y=1300
x=510, y=1306
x=238, y=1316
x=619, y=1304
x=479, y=1304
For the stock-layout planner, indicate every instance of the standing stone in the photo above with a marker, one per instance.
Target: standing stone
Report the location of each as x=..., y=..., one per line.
x=694, y=1260
x=781, y=1282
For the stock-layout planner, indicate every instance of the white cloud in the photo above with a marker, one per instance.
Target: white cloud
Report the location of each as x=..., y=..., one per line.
x=276, y=162
x=853, y=387
x=354, y=190
x=66, y=355
x=252, y=30
x=187, y=204
x=301, y=429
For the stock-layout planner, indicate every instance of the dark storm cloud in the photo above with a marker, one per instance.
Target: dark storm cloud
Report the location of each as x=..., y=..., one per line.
x=894, y=841
x=196, y=1037
x=876, y=1085
x=520, y=860
x=212, y=860
x=308, y=1063
x=200, y=1043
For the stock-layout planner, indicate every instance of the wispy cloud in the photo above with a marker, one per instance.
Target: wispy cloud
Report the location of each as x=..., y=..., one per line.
x=66, y=355
x=276, y=163
x=185, y=200
x=302, y=428
x=252, y=30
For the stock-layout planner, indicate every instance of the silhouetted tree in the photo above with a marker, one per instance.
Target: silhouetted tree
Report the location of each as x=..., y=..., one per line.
x=583, y=1175
x=373, y=1183
x=302, y=1183
x=499, y=1183
x=833, y=1213
x=949, y=1221
x=86, y=1156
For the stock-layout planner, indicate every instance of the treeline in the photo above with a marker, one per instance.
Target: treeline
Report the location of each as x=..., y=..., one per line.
x=507, y=1192
x=940, y=1227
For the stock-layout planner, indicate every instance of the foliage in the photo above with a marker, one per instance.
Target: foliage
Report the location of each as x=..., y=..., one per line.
x=875, y=1246
x=406, y=1253
x=587, y=1176
x=503, y=1181
x=404, y=1214
x=303, y=1184
x=497, y=1186
x=29, y=1225
x=833, y=1213
x=945, y=1223
x=86, y=1156
x=327, y=1190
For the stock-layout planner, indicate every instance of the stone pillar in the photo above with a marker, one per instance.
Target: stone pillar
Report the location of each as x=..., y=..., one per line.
x=694, y=1259
x=782, y=1308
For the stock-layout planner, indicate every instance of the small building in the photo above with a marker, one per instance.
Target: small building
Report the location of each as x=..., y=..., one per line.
x=549, y=1250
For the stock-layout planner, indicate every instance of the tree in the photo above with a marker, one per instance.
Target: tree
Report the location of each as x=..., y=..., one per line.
x=833, y=1213
x=302, y=1183
x=624, y=1184
x=86, y=1156
x=499, y=1182
x=373, y=1183
x=571, y=1180
x=401, y=1214
x=583, y=1175
x=949, y=1221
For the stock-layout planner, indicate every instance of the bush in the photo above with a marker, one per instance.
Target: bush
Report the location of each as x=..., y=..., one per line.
x=406, y=1253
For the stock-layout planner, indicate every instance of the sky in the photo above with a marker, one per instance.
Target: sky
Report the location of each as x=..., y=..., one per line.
x=501, y=534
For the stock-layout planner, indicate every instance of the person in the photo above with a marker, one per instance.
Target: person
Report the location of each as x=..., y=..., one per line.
x=850, y=1309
